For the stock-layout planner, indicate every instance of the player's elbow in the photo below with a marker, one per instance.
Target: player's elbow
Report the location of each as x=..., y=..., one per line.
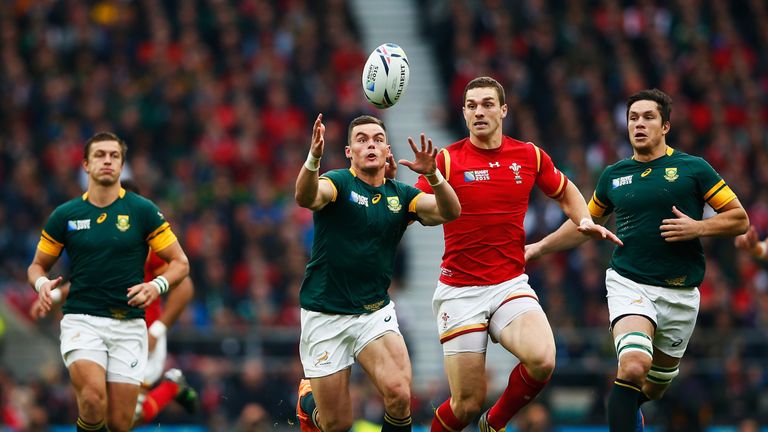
x=451, y=212
x=742, y=222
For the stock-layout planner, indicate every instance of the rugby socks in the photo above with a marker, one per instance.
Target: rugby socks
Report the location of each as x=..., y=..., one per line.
x=83, y=426
x=521, y=390
x=392, y=424
x=309, y=406
x=157, y=399
x=445, y=420
x=622, y=406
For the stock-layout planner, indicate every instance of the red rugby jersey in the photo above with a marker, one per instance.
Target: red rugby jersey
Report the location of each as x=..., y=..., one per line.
x=153, y=263
x=485, y=245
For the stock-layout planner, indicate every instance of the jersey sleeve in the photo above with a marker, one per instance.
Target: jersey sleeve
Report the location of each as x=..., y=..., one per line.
x=52, y=237
x=337, y=180
x=549, y=179
x=600, y=205
x=716, y=192
x=443, y=159
x=160, y=235
x=412, y=196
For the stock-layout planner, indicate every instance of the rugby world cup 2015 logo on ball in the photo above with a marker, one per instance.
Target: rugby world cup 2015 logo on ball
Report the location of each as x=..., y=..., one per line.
x=385, y=75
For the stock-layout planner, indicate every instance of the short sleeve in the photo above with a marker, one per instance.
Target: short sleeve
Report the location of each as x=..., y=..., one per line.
x=716, y=192
x=600, y=205
x=337, y=180
x=52, y=238
x=160, y=234
x=549, y=179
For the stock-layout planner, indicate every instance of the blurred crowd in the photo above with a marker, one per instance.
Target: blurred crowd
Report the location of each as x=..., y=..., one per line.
x=216, y=97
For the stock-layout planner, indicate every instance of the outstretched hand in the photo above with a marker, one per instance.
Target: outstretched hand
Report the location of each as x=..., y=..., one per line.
x=318, y=137
x=424, y=158
x=597, y=231
x=681, y=228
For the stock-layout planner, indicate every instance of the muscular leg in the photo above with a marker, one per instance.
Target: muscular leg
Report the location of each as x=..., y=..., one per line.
x=121, y=405
x=634, y=364
x=334, y=405
x=529, y=337
x=386, y=362
x=662, y=361
x=89, y=381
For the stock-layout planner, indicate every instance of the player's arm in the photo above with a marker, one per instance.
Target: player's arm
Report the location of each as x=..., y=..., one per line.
x=730, y=220
x=750, y=242
x=143, y=294
x=574, y=206
x=311, y=193
x=58, y=296
x=37, y=276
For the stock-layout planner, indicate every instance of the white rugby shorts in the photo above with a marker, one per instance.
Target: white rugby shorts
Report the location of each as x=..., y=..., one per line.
x=119, y=346
x=673, y=310
x=330, y=342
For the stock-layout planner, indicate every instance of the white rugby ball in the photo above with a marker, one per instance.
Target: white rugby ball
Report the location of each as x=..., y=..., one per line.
x=385, y=75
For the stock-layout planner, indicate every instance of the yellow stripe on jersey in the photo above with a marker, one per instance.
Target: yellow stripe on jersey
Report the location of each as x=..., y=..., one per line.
x=447, y=159
x=721, y=198
x=596, y=208
x=48, y=245
x=559, y=188
x=412, y=205
x=538, y=157
x=335, y=191
x=161, y=238
x=714, y=189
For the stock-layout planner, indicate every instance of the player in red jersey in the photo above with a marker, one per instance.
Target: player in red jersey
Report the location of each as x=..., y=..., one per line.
x=155, y=394
x=483, y=289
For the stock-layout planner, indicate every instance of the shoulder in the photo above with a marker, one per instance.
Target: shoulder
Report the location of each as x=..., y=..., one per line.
x=338, y=174
x=137, y=201
x=71, y=205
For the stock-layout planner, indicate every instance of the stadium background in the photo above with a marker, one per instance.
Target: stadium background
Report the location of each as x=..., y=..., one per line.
x=216, y=98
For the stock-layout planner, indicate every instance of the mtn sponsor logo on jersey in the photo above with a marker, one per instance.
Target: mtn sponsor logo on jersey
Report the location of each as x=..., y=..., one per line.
x=621, y=181
x=358, y=199
x=478, y=175
x=393, y=204
x=123, y=223
x=670, y=174
x=77, y=225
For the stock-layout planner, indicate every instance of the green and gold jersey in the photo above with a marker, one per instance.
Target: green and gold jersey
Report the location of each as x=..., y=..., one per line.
x=107, y=248
x=642, y=195
x=356, y=237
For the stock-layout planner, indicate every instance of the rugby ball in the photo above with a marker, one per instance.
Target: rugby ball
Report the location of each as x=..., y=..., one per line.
x=385, y=75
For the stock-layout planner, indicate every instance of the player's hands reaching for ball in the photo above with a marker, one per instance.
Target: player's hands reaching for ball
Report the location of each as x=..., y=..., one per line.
x=424, y=157
x=142, y=295
x=597, y=231
x=681, y=228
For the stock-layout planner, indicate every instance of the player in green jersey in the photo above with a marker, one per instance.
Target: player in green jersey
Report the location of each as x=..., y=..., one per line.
x=346, y=313
x=658, y=198
x=106, y=233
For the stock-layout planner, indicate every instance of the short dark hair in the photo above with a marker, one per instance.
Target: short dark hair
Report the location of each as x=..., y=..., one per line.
x=105, y=136
x=364, y=119
x=663, y=102
x=484, y=82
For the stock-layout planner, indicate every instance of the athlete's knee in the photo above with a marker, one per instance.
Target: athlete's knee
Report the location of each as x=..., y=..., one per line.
x=335, y=424
x=397, y=397
x=658, y=380
x=468, y=407
x=541, y=366
x=635, y=352
x=92, y=403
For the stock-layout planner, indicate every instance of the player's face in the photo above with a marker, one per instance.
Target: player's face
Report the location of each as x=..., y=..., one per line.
x=483, y=112
x=104, y=163
x=646, y=132
x=368, y=148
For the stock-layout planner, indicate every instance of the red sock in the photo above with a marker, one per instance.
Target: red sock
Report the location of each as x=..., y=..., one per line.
x=521, y=389
x=445, y=420
x=158, y=398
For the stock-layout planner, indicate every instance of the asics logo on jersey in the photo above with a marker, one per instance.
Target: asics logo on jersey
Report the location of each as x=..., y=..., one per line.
x=388, y=318
x=101, y=218
x=646, y=172
x=77, y=225
x=134, y=363
x=677, y=342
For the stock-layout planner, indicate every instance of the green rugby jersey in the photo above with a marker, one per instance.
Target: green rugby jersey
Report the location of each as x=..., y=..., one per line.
x=356, y=237
x=107, y=248
x=642, y=195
